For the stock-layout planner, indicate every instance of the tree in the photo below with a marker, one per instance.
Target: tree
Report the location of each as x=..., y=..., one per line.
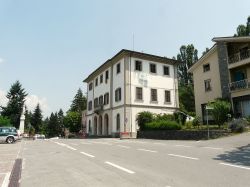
x=53, y=126
x=79, y=103
x=204, y=52
x=188, y=56
x=73, y=121
x=143, y=118
x=14, y=108
x=243, y=30
x=220, y=111
x=61, y=119
x=4, y=121
x=36, y=120
x=186, y=98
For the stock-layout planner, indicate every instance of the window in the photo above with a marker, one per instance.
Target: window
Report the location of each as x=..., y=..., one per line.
x=106, y=76
x=106, y=98
x=101, y=79
x=167, y=96
x=207, y=85
x=118, y=122
x=90, y=105
x=101, y=100
x=96, y=102
x=154, y=95
x=152, y=68
x=90, y=127
x=118, y=68
x=90, y=86
x=139, y=93
x=165, y=70
x=96, y=82
x=206, y=67
x=138, y=65
x=118, y=94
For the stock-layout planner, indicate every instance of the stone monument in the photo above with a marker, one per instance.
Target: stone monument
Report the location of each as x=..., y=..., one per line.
x=22, y=118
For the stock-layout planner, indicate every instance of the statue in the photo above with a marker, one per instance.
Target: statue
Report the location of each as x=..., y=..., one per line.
x=22, y=119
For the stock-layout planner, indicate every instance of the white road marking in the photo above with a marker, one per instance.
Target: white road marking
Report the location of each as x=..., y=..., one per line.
x=85, y=143
x=236, y=166
x=6, y=180
x=147, y=150
x=159, y=143
x=121, y=168
x=123, y=146
x=72, y=148
x=183, y=146
x=105, y=143
x=73, y=144
x=217, y=148
x=181, y=156
x=89, y=155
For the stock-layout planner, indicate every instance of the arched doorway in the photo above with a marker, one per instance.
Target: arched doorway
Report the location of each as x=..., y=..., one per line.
x=118, y=122
x=95, y=125
x=100, y=125
x=106, y=124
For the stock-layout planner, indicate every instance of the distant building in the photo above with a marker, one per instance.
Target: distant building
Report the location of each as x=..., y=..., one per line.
x=224, y=72
x=129, y=83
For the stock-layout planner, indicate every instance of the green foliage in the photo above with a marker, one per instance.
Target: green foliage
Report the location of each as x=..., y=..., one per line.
x=16, y=98
x=53, y=126
x=79, y=103
x=189, y=125
x=167, y=117
x=220, y=111
x=248, y=119
x=196, y=122
x=238, y=125
x=162, y=125
x=186, y=98
x=4, y=121
x=73, y=121
x=36, y=119
x=143, y=118
x=244, y=30
x=188, y=56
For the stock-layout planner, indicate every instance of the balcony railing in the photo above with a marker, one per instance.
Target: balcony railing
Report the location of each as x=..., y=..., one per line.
x=239, y=56
x=239, y=85
x=98, y=109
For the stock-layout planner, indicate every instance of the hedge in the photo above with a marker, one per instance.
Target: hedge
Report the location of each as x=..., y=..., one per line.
x=162, y=125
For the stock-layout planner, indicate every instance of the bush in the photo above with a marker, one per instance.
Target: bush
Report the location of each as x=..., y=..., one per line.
x=189, y=124
x=143, y=118
x=162, y=125
x=238, y=125
x=167, y=117
x=196, y=122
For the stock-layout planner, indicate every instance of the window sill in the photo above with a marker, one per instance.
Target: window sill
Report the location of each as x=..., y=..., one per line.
x=139, y=100
x=153, y=102
x=167, y=103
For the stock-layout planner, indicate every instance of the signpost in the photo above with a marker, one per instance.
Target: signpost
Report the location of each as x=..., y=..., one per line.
x=208, y=108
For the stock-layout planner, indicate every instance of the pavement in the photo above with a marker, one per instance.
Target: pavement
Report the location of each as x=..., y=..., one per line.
x=8, y=155
x=140, y=162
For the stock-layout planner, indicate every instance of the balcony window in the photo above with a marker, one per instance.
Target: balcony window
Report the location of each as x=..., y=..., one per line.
x=207, y=84
x=118, y=94
x=101, y=100
x=152, y=68
x=206, y=67
x=90, y=105
x=96, y=102
x=106, y=98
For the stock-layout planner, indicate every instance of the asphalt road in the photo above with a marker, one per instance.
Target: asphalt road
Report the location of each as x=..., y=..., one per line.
x=113, y=162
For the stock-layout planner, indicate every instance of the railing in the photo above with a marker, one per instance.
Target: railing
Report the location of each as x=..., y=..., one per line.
x=239, y=56
x=98, y=109
x=238, y=85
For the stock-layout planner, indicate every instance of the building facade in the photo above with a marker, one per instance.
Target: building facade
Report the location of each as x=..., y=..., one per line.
x=224, y=72
x=129, y=83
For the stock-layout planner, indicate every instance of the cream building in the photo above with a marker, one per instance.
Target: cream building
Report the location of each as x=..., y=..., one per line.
x=224, y=72
x=129, y=83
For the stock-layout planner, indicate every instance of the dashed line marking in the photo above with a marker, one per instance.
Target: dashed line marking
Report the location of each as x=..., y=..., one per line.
x=183, y=146
x=6, y=180
x=85, y=143
x=147, y=150
x=181, y=156
x=159, y=144
x=86, y=154
x=123, y=146
x=119, y=167
x=236, y=166
x=104, y=143
x=72, y=148
x=216, y=148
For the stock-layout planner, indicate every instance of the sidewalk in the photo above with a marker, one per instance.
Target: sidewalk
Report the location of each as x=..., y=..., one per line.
x=8, y=155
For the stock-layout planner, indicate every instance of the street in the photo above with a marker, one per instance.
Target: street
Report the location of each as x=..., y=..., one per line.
x=115, y=162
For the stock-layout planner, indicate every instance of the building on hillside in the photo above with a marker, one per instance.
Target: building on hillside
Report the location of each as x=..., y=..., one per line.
x=224, y=72
x=129, y=83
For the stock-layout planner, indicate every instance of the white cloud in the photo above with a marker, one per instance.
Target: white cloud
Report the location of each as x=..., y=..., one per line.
x=31, y=102
x=1, y=60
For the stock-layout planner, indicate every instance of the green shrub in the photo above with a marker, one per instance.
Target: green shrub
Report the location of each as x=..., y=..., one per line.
x=196, y=122
x=143, y=118
x=238, y=125
x=189, y=124
x=248, y=119
x=167, y=117
x=4, y=121
x=162, y=125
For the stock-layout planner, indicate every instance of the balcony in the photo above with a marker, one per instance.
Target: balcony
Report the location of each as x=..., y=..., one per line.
x=239, y=85
x=98, y=109
x=240, y=58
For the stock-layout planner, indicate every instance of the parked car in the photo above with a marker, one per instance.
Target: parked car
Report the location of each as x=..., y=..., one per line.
x=8, y=134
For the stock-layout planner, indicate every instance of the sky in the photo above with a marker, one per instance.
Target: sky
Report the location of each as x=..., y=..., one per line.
x=51, y=46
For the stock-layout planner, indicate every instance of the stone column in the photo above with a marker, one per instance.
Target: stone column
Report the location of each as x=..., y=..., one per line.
x=21, y=126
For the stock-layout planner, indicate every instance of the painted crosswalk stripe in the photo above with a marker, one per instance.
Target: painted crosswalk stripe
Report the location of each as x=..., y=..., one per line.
x=216, y=148
x=119, y=167
x=181, y=156
x=147, y=150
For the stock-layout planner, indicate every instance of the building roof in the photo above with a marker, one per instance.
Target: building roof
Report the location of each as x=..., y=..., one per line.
x=207, y=54
x=125, y=52
x=232, y=39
